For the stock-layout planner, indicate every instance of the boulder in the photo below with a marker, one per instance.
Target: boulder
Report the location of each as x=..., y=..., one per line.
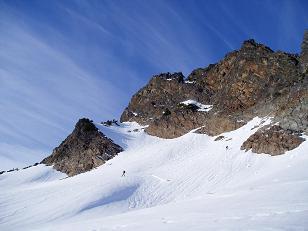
x=274, y=141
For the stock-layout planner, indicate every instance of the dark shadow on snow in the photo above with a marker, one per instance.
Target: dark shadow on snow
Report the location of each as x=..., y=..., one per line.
x=115, y=197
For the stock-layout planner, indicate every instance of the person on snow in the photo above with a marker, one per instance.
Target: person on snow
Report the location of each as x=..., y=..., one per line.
x=123, y=174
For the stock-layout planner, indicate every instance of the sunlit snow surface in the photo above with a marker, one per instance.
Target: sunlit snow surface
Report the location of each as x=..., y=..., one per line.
x=188, y=183
x=202, y=107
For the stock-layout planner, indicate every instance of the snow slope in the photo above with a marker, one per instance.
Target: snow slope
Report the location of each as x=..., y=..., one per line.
x=188, y=183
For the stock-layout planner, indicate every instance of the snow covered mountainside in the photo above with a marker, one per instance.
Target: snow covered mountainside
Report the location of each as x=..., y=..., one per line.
x=190, y=154
x=188, y=183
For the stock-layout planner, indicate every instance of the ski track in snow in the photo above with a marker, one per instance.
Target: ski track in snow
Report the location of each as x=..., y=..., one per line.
x=188, y=183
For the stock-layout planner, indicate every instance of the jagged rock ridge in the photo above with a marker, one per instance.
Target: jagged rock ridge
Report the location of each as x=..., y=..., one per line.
x=252, y=81
x=84, y=149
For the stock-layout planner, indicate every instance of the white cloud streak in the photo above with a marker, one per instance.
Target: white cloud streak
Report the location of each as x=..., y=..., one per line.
x=43, y=92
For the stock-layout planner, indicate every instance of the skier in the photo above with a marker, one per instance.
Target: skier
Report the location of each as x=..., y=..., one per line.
x=227, y=147
x=123, y=174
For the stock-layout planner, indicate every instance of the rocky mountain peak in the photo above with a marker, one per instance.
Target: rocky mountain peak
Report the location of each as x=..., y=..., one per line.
x=84, y=149
x=252, y=44
x=252, y=81
x=178, y=76
x=85, y=125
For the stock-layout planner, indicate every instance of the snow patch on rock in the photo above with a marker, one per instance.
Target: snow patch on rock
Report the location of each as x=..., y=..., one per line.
x=202, y=107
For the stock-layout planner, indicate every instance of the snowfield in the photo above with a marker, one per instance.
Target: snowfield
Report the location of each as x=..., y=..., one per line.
x=188, y=183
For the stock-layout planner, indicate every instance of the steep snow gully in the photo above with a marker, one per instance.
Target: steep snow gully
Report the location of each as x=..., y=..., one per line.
x=188, y=183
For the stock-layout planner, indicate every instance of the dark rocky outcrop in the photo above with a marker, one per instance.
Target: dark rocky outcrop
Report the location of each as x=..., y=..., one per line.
x=253, y=74
x=274, y=141
x=158, y=104
x=304, y=54
x=252, y=81
x=162, y=94
x=84, y=149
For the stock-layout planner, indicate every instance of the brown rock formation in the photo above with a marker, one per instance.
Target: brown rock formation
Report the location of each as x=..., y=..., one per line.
x=163, y=93
x=251, y=81
x=304, y=53
x=273, y=141
x=245, y=77
x=177, y=123
x=84, y=149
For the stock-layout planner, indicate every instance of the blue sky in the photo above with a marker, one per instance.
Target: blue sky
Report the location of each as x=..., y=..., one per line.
x=62, y=60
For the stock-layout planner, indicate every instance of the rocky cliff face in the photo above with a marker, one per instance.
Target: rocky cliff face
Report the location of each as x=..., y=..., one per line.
x=251, y=81
x=84, y=149
x=245, y=77
x=273, y=140
x=304, y=53
x=162, y=94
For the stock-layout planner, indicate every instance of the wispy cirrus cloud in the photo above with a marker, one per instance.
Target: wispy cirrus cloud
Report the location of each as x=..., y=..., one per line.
x=16, y=156
x=43, y=92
